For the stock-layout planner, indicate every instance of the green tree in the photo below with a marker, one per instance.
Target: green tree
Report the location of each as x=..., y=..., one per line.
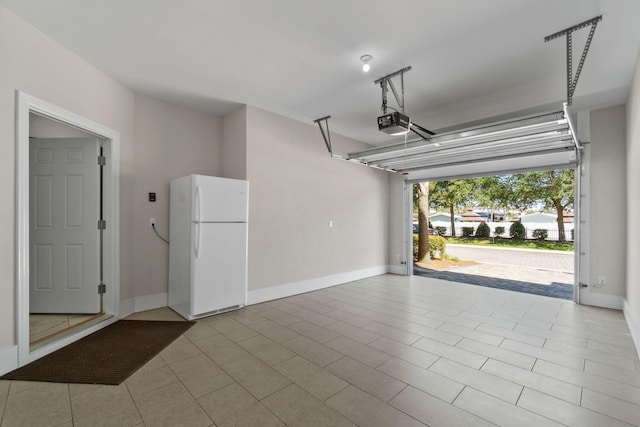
x=422, y=189
x=451, y=194
x=553, y=188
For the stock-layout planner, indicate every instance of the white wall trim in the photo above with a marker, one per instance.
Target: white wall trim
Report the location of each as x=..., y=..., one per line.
x=601, y=300
x=8, y=359
x=127, y=308
x=26, y=104
x=150, y=302
x=400, y=270
x=632, y=322
x=257, y=296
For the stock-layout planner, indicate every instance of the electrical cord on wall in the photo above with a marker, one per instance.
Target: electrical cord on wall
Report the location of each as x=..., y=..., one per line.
x=158, y=234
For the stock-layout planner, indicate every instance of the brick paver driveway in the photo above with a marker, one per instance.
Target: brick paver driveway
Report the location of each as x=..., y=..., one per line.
x=548, y=273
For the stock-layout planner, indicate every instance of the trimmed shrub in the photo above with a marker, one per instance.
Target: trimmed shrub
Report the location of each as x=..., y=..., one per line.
x=467, y=231
x=517, y=231
x=499, y=231
x=483, y=231
x=540, y=234
x=441, y=230
x=437, y=244
x=415, y=246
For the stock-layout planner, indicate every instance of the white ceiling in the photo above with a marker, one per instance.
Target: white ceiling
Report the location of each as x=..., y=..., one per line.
x=471, y=59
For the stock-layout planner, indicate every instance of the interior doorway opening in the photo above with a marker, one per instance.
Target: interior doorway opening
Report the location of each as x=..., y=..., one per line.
x=512, y=231
x=67, y=233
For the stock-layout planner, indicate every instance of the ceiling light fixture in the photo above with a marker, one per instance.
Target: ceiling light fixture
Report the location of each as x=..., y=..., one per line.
x=366, y=59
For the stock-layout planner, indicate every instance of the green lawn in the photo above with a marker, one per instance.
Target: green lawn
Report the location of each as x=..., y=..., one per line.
x=509, y=243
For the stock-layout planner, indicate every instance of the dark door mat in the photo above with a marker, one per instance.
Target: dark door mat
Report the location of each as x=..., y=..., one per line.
x=107, y=356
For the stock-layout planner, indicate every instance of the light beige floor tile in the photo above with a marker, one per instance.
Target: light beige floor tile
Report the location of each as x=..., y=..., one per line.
x=246, y=317
x=549, y=355
x=348, y=317
x=593, y=382
x=433, y=334
x=4, y=393
x=487, y=320
x=424, y=321
x=37, y=404
x=105, y=406
x=473, y=334
x=171, y=405
x=274, y=331
x=513, y=335
x=298, y=408
x=604, y=337
x=498, y=411
x=612, y=373
x=487, y=383
x=200, y=375
x=423, y=379
x=153, y=375
x=626, y=352
x=380, y=317
x=285, y=306
x=614, y=408
x=433, y=411
x=405, y=352
x=360, y=352
x=453, y=319
x=508, y=356
x=317, y=353
x=564, y=412
x=234, y=406
x=365, y=410
x=266, y=350
x=459, y=355
x=158, y=314
x=353, y=332
x=315, y=332
x=397, y=334
x=547, y=334
x=199, y=331
x=596, y=356
x=234, y=330
x=221, y=349
x=178, y=350
x=315, y=380
x=258, y=378
x=280, y=317
x=370, y=380
x=76, y=390
x=315, y=318
x=560, y=389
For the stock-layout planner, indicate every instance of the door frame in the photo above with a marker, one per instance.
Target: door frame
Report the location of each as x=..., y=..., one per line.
x=26, y=104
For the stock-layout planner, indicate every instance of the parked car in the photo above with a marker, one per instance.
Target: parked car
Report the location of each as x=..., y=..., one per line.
x=432, y=232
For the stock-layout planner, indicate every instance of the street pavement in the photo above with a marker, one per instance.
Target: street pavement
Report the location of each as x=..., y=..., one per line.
x=548, y=273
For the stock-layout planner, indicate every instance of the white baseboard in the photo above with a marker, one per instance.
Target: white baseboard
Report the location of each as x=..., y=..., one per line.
x=634, y=326
x=601, y=300
x=143, y=303
x=400, y=270
x=281, y=291
x=8, y=359
x=127, y=308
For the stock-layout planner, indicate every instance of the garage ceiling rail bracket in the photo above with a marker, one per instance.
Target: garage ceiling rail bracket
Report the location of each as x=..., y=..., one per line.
x=572, y=81
x=325, y=134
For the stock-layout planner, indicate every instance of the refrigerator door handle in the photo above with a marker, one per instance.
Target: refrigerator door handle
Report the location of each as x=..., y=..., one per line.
x=198, y=213
x=197, y=239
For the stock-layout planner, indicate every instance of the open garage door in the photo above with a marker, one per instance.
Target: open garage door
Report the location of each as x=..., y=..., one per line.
x=544, y=141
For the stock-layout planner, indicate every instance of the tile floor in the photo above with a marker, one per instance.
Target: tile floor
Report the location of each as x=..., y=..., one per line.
x=385, y=351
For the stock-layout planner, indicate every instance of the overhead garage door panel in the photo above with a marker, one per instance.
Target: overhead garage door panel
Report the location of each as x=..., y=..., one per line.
x=535, y=142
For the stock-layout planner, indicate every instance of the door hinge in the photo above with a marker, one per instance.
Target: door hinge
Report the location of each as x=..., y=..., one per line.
x=583, y=285
x=102, y=161
x=102, y=224
x=102, y=289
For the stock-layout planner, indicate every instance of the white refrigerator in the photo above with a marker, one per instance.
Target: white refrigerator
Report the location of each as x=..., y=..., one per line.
x=208, y=245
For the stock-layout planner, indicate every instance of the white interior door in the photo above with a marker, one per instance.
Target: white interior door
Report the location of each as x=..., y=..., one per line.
x=63, y=233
